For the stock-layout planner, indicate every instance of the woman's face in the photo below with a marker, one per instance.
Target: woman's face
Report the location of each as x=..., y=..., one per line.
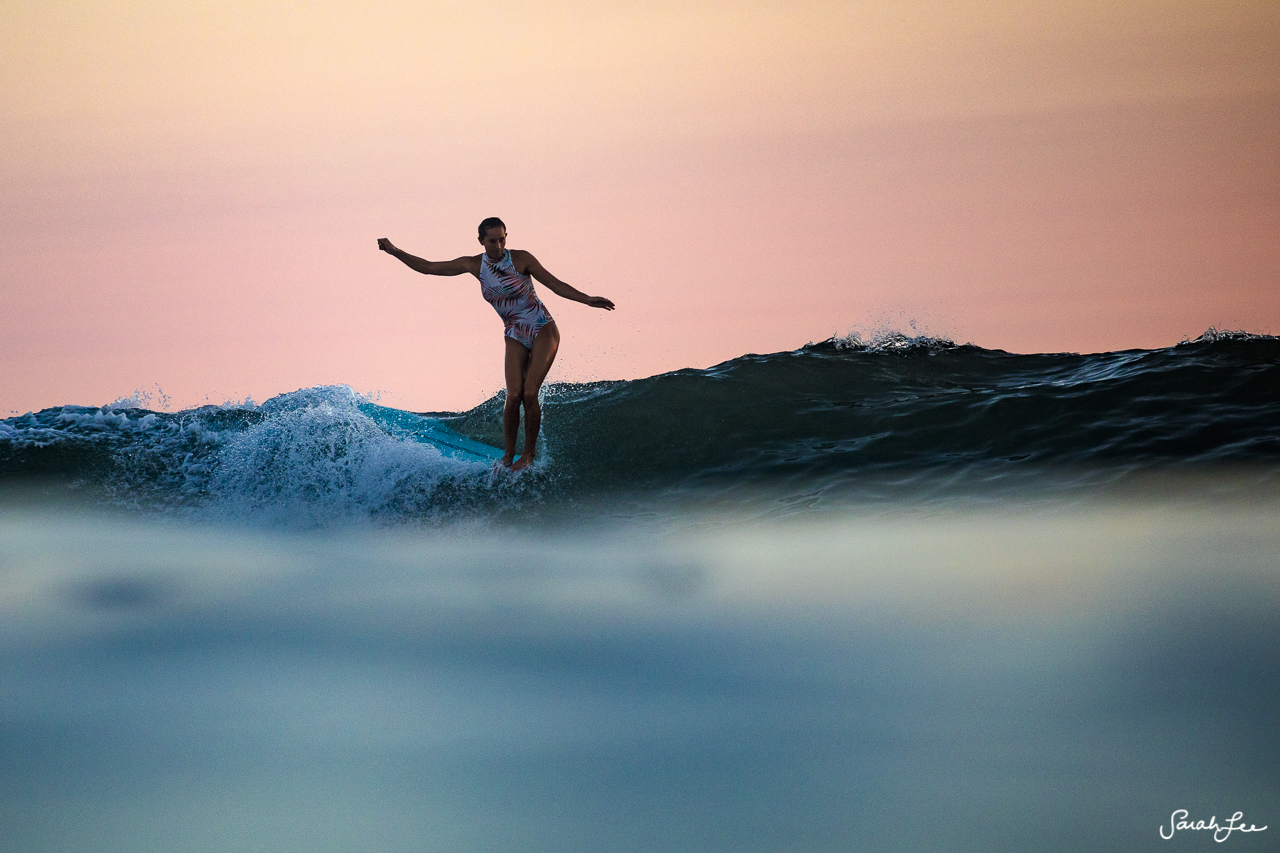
x=494, y=242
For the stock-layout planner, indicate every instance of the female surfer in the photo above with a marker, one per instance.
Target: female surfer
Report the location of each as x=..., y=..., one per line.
x=531, y=337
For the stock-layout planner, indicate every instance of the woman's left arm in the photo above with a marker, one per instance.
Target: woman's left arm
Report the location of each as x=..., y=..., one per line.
x=532, y=267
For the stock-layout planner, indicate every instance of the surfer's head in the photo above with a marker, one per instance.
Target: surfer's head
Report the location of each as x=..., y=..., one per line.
x=493, y=236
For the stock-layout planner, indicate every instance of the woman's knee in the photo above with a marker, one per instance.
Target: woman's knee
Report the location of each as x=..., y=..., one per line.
x=530, y=399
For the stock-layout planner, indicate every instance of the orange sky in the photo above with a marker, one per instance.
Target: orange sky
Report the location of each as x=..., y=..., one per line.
x=191, y=196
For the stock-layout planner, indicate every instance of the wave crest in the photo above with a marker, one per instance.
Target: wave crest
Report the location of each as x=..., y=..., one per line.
x=1213, y=335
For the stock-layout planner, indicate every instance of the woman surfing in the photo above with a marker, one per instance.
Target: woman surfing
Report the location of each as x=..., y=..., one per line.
x=532, y=339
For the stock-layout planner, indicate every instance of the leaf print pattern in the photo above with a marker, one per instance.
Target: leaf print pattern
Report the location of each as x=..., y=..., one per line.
x=512, y=296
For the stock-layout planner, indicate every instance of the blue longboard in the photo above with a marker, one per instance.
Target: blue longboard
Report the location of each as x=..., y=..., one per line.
x=430, y=431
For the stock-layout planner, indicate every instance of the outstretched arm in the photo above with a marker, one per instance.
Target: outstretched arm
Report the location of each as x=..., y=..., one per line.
x=531, y=267
x=455, y=267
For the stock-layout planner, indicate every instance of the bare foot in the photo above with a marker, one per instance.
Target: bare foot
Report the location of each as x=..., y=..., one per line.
x=504, y=462
x=522, y=463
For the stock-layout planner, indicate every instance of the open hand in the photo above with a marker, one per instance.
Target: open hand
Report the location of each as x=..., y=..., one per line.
x=600, y=302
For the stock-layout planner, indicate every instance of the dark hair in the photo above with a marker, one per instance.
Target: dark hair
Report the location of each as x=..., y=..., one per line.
x=491, y=222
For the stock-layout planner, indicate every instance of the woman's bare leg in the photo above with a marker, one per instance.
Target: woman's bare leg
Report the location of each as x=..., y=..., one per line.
x=514, y=367
x=545, y=347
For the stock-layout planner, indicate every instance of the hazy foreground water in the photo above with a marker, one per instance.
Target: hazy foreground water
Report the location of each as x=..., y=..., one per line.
x=961, y=676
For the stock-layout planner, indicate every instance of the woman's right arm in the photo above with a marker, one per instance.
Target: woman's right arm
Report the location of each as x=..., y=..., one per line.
x=455, y=267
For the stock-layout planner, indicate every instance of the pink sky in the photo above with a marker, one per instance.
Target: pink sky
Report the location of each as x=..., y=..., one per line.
x=191, y=196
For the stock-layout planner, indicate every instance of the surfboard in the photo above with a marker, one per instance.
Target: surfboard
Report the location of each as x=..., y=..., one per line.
x=426, y=430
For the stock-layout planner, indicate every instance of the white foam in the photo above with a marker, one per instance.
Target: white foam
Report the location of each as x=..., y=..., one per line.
x=308, y=458
x=316, y=460
x=1213, y=335
x=892, y=340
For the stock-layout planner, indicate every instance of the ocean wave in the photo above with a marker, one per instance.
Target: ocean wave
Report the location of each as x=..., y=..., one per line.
x=303, y=459
x=846, y=413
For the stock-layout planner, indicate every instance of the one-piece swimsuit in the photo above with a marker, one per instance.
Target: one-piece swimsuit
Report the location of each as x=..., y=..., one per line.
x=511, y=295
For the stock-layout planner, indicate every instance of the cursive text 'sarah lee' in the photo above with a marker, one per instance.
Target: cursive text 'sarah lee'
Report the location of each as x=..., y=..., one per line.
x=1221, y=832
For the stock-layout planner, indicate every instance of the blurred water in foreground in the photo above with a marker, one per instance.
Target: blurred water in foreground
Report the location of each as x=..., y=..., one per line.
x=988, y=677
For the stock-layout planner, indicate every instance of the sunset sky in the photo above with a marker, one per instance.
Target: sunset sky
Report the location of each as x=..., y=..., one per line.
x=191, y=194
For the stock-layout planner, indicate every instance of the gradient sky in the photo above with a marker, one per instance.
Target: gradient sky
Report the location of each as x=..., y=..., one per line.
x=190, y=194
